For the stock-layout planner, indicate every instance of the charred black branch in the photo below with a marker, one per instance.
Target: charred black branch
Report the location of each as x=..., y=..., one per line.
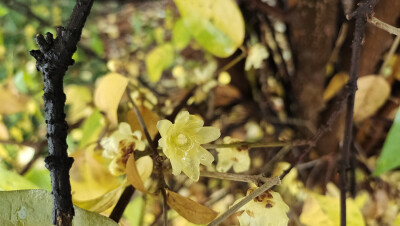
x=52, y=59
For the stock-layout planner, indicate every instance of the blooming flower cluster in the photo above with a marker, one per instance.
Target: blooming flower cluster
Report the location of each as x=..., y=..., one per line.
x=119, y=145
x=268, y=209
x=181, y=143
x=236, y=157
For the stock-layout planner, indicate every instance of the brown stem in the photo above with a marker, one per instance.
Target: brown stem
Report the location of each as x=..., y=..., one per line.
x=361, y=14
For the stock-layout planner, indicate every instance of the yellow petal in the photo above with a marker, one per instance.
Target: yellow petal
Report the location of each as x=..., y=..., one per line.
x=206, y=158
x=124, y=128
x=243, y=163
x=145, y=167
x=224, y=161
x=163, y=126
x=183, y=117
x=207, y=134
x=176, y=166
x=191, y=167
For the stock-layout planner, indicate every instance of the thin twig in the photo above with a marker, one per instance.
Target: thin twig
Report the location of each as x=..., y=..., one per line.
x=23, y=143
x=249, y=145
x=256, y=179
x=384, y=26
x=321, y=131
x=268, y=167
x=390, y=54
x=165, y=206
x=156, y=157
x=364, y=11
x=141, y=122
x=236, y=60
x=269, y=184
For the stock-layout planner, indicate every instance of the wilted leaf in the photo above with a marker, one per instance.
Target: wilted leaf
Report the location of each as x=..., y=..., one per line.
x=149, y=117
x=78, y=98
x=324, y=210
x=34, y=207
x=13, y=181
x=180, y=35
x=159, y=59
x=189, y=209
x=372, y=93
x=334, y=86
x=225, y=95
x=10, y=102
x=108, y=94
x=138, y=171
x=389, y=158
x=217, y=26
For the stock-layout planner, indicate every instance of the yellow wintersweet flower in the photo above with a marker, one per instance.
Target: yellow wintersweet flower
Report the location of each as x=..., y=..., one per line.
x=268, y=209
x=119, y=145
x=237, y=157
x=181, y=143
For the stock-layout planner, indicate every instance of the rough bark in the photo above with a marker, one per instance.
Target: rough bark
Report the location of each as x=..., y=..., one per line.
x=52, y=59
x=313, y=26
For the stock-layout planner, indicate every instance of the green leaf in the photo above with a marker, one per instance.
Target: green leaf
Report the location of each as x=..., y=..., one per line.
x=3, y=11
x=97, y=45
x=13, y=181
x=180, y=35
x=218, y=26
x=40, y=177
x=34, y=207
x=91, y=128
x=159, y=59
x=389, y=158
x=134, y=211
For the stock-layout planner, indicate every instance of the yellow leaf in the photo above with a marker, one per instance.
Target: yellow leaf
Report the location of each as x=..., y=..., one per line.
x=108, y=94
x=189, y=209
x=11, y=102
x=159, y=59
x=334, y=86
x=3, y=131
x=325, y=210
x=150, y=119
x=217, y=26
x=90, y=179
x=138, y=171
x=101, y=203
x=373, y=91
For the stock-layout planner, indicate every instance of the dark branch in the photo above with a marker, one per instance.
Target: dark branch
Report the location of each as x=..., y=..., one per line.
x=53, y=59
x=361, y=14
x=122, y=203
